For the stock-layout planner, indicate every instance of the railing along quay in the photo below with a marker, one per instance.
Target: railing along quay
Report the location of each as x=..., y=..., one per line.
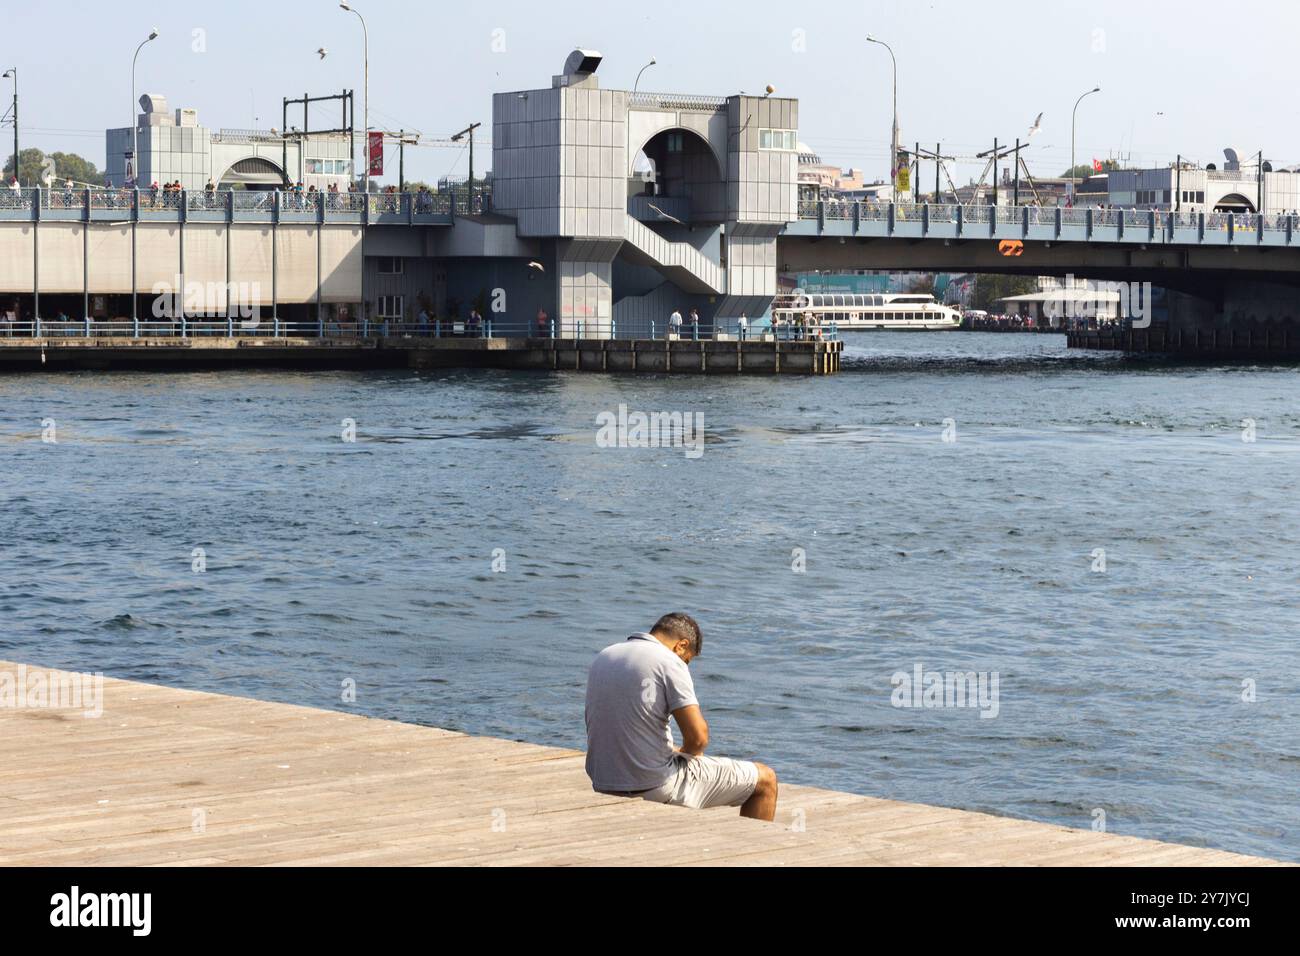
x=240, y=326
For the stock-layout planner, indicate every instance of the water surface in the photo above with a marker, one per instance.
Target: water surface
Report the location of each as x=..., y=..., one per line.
x=327, y=560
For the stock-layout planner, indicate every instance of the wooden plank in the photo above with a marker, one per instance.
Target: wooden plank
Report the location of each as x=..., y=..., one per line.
x=286, y=785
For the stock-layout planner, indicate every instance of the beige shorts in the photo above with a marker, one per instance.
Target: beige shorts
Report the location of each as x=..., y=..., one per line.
x=704, y=782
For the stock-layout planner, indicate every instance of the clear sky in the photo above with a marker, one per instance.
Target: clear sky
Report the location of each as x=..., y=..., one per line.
x=1190, y=77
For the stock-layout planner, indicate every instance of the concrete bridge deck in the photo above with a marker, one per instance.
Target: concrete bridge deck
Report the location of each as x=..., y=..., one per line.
x=176, y=777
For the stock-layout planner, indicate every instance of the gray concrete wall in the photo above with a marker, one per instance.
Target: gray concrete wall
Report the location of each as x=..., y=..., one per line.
x=761, y=183
x=73, y=261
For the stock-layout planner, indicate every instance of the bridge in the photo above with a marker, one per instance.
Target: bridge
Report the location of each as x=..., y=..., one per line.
x=1186, y=251
x=608, y=209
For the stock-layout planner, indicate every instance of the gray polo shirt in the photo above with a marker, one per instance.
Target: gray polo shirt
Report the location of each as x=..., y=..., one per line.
x=632, y=690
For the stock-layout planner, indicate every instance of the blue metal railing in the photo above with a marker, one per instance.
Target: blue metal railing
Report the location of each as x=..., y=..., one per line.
x=239, y=326
x=912, y=220
x=419, y=208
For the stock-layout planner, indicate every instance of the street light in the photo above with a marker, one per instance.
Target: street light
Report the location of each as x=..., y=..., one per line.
x=135, y=123
x=637, y=84
x=1073, y=120
x=13, y=72
x=365, y=89
x=893, y=147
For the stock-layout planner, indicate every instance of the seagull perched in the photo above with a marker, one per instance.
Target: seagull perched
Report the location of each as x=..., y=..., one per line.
x=1037, y=127
x=323, y=52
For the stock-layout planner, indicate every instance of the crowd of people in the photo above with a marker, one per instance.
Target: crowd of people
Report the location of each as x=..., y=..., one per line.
x=294, y=196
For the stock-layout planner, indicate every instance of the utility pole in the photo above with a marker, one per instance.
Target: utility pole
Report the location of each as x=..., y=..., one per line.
x=995, y=170
x=1259, y=180
x=469, y=131
x=14, y=73
x=1015, y=196
x=916, y=175
x=938, y=158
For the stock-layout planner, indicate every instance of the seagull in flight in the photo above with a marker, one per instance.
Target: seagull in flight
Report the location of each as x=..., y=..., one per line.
x=323, y=52
x=1037, y=127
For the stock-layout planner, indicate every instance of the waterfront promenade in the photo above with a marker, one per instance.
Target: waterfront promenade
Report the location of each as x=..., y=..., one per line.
x=176, y=777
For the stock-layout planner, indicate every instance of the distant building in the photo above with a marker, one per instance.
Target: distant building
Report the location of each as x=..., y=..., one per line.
x=1238, y=187
x=1093, y=191
x=173, y=146
x=819, y=180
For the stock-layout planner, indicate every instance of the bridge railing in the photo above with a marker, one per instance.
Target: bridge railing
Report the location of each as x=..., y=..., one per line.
x=420, y=207
x=252, y=201
x=17, y=199
x=120, y=200
x=196, y=327
x=1104, y=223
x=63, y=199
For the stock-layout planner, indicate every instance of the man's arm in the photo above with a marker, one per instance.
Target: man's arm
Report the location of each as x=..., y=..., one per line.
x=695, y=732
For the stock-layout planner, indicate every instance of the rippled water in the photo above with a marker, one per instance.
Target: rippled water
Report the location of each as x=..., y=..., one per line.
x=326, y=560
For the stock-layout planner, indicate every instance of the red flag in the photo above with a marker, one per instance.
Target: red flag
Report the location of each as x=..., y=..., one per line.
x=1096, y=166
x=376, y=154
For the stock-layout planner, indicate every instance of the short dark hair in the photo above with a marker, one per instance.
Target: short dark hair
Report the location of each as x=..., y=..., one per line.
x=681, y=627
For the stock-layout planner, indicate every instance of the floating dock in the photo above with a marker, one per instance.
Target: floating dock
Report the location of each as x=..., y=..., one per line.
x=177, y=777
x=706, y=356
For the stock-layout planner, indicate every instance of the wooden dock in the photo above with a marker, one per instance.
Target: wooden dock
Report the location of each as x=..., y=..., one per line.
x=178, y=777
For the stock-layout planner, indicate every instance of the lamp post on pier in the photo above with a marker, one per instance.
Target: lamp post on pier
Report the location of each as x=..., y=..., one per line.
x=1073, y=121
x=135, y=123
x=365, y=90
x=893, y=147
x=13, y=72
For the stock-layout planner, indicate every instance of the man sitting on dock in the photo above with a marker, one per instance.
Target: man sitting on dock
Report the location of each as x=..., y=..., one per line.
x=632, y=688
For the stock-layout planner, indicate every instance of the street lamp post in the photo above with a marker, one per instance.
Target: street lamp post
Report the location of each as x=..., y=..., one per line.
x=893, y=146
x=1073, y=121
x=365, y=90
x=135, y=123
x=13, y=71
x=637, y=84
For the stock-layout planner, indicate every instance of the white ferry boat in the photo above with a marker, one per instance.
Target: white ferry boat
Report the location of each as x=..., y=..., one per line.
x=899, y=311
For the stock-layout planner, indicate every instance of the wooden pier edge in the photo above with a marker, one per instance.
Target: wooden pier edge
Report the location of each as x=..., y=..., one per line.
x=176, y=777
